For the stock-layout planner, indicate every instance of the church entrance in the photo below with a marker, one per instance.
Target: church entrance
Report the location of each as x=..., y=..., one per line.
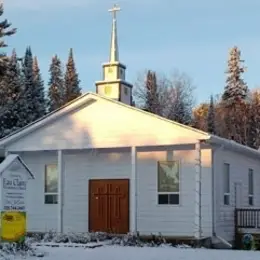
x=109, y=206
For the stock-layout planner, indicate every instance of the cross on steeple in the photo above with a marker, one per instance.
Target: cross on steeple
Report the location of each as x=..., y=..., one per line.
x=114, y=9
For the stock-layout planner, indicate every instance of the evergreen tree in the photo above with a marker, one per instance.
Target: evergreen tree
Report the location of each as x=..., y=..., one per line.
x=4, y=31
x=11, y=98
x=33, y=89
x=56, y=85
x=211, y=117
x=72, y=88
x=171, y=98
x=28, y=82
x=235, y=89
x=234, y=100
x=151, y=97
x=39, y=95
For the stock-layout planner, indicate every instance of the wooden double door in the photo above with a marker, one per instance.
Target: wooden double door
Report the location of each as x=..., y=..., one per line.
x=109, y=206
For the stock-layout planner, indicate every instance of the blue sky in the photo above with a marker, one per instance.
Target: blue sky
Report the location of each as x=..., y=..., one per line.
x=191, y=36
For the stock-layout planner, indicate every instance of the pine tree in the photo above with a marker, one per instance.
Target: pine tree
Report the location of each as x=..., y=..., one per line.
x=28, y=86
x=234, y=100
x=11, y=97
x=151, y=97
x=56, y=85
x=72, y=88
x=211, y=117
x=235, y=89
x=33, y=88
x=39, y=95
x=4, y=31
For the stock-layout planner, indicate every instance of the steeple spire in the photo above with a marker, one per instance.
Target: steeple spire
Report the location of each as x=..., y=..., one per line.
x=114, y=53
x=114, y=84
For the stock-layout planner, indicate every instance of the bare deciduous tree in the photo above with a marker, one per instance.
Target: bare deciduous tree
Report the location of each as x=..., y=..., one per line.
x=181, y=102
x=174, y=96
x=253, y=139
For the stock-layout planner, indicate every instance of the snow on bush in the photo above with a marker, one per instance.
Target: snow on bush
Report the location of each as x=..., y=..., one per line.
x=131, y=239
x=79, y=238
x=23, y=250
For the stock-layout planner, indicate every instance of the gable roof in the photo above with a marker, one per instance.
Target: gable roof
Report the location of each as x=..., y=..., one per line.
x=9, y=160
x=90, y=97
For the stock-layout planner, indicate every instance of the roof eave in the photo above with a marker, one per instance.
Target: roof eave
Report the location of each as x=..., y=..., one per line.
x=234, y=146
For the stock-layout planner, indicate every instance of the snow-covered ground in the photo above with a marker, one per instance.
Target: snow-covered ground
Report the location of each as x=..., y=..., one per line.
x=145, y=253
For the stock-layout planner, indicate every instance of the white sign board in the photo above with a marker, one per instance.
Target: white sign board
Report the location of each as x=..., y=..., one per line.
x=14, y=191
x=14, y=178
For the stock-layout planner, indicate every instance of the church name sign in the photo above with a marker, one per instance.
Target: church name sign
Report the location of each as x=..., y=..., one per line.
x=14, y=176
x=13, y=192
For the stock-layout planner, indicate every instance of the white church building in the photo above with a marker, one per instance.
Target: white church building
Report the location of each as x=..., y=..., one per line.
x=101, y=164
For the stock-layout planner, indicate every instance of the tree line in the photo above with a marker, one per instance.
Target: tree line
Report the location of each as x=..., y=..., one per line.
x=23, y=98
x=233, y=114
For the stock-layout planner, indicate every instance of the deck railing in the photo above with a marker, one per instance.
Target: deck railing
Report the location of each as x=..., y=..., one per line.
x=247, y=218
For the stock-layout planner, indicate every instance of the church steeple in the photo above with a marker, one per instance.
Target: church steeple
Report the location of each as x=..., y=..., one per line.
x=113, y=84
x=114, y=53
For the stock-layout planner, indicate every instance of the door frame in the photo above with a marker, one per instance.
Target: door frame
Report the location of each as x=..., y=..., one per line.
x=108, y=180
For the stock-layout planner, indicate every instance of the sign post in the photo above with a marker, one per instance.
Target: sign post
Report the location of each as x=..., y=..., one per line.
x=14, y=179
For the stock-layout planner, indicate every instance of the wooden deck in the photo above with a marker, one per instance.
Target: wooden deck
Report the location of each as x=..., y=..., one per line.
x=247, y=220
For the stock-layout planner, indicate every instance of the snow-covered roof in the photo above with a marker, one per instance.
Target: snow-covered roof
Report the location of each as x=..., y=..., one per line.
x=90, y=97
x=9, y=160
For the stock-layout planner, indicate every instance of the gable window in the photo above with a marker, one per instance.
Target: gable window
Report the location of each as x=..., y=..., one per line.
x=226, y=183
x=169, y=182
x=51, y=184
x=250, y=187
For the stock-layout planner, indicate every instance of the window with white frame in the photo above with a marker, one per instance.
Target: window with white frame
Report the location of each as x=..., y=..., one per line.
x=51, y=184
x=250, y=187
x=226, y=183
x=169, y=182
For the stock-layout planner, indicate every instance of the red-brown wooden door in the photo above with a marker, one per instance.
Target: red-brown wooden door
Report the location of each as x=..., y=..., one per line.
x=109, y=206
